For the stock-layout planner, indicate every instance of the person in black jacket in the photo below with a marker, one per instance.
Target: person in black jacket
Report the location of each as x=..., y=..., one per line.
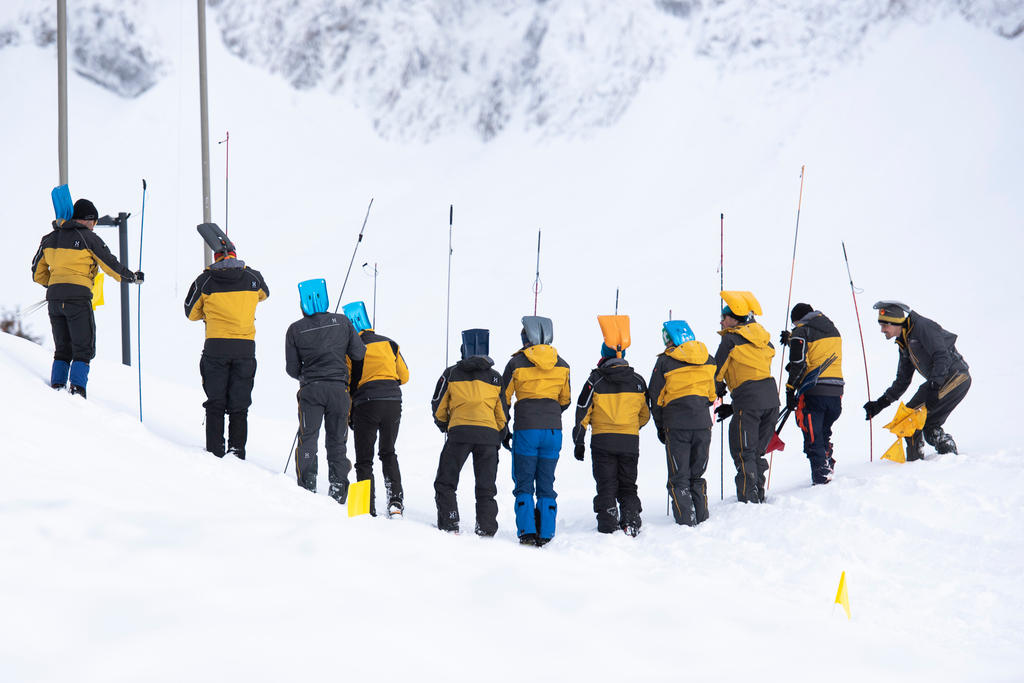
x=224, y=297
x=613, y=403
x=926, y=347
x=66, y=264
x=317, y=351
x=814, y=342
x=469, y=408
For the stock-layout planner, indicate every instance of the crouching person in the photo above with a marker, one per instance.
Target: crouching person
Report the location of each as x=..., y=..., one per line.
x=681, y=392
x=316, y=348
x=468, y=407
x=613, y=403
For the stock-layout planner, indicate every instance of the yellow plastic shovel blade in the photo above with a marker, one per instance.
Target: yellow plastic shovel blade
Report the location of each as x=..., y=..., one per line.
x=359, y=498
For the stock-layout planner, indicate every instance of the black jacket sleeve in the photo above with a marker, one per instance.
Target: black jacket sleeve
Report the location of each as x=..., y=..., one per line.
x=292, y=362
x=904, y=374
x=654, y=389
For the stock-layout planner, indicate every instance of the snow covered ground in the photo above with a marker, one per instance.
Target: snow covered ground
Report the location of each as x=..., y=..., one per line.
x=129, y=554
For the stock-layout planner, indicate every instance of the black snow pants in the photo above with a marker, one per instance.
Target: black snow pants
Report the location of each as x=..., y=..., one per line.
x=228, y=385
x=616, y=503
x=815, y=415
x=74, y=329
x=485, y=471
x=324, y=403
x=687, y=453
x=369, y=419
x=940, y=403
x=750, y=430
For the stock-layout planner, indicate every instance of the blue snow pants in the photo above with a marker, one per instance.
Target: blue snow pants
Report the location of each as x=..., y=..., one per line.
x=534, y=456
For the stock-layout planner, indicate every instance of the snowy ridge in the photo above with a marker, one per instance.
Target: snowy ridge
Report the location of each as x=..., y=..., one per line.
x=432, y=67
x=137, y=537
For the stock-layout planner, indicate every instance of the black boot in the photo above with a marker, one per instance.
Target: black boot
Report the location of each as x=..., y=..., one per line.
x=915, y=447
x=215, y=432
x=339, y=492
x=75, y=390
x=238, y=431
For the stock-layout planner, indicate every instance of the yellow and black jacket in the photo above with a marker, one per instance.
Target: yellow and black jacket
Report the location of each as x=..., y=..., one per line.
x=813, y=340
x=379, y=376
x=224, y=297
x=69, y=258
x=744, y=359
x=468, y=404
x=539, y=379
x=614, y=404
x=683, y=387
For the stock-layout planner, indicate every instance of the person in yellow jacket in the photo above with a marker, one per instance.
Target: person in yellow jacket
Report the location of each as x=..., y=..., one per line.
x=813, y=341
x=224, y=297
x=682, y=389
x=377, y=408
x=470, y=410
x=539, y=379
x=66, y=264
x=743, y=362
x=613, y=403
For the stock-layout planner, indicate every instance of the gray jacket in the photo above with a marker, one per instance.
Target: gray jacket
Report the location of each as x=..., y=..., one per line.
x=315, y=348
x=926, y=347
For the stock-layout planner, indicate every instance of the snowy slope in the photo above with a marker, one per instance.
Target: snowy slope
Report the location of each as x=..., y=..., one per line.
x=144, y=559
x=141, y=558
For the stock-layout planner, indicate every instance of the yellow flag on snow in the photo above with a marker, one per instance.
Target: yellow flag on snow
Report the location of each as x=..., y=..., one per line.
x=359, y=498
x=842, y=598
x=907, y=420
x=895, y=452
x=97, y=291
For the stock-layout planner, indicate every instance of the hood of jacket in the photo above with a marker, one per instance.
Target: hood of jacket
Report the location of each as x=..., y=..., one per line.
x=693, y=352
x=752, y=332
x=475, y=363
x=228, y=270
x=543, y=356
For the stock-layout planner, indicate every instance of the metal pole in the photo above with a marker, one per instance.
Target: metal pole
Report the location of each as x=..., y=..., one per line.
x=359, y=241
x=62, y=90
x=536, y=282
x=227, y=159
x=204, y=125
x=126, y=323
x=448, y=296
x=721, y=285
x=374, y=320
x=863, y=351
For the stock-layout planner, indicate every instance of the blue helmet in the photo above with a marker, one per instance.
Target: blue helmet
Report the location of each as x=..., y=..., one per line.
x=676, y=332
x=313, y=296
x=356, y=312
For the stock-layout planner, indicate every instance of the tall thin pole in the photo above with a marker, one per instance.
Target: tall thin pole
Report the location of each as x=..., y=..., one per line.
x=374, y=321
x=227, y=159
x=204, y=125
x=616, y=301
x=863, y=351
x=62, y=90
x=536, y=281
x=138, y=315
x=448, y=296
x=354, y=250
x=721, y=288
x=792, y=270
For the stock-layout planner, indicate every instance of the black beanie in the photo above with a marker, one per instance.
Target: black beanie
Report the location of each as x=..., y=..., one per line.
x=799, y=311
x=84, y=211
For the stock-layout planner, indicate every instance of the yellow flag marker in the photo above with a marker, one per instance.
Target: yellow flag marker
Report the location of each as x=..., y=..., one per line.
x=359, y=498
x=895, y=452
x=841, y=596
x=97, y=291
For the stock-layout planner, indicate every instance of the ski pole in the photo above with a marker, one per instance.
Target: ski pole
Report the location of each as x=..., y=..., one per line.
x=227, y=153
x=789, y=299
x=853, y=291
x=448, y=296
x=290, y=451
x=138, y=299
x=373, y=318
x=721, y=285
x=354, y=250
x=536, y=281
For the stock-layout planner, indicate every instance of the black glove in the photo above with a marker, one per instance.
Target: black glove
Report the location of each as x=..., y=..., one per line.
x=138, y=277
x=872, y=408
x=579, y=451
x=791, y=400
x=784, y=337
x=507, y=442
x=720, y=390
x=443, y=426
x=723, y=411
